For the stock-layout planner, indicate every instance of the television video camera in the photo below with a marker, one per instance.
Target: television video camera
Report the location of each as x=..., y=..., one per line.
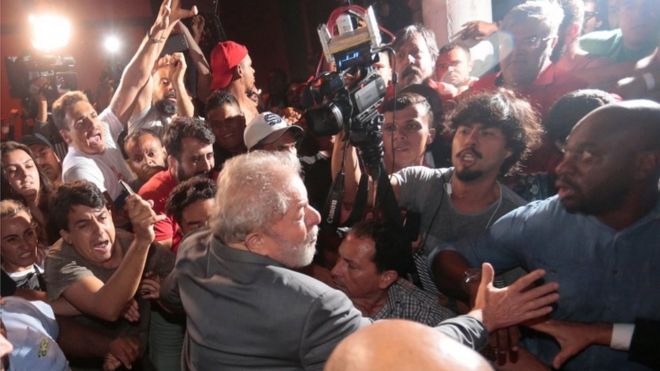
x=24, y=74
x=349, y=97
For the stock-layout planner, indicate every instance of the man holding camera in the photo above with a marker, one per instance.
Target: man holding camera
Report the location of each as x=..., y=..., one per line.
x=165, y=95
x=490, y=134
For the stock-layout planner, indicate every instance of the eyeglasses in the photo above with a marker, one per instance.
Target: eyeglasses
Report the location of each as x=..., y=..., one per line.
x=507, y=41
x=589, y=15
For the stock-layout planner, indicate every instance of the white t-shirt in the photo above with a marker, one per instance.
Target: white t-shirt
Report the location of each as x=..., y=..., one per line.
x=104, y=169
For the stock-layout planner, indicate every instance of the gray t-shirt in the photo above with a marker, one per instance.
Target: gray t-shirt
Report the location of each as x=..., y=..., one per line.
x=64, y=267
x=424, y=190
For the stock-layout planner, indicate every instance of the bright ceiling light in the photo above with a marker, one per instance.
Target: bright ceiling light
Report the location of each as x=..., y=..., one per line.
x=112, y=44
x=49, y=32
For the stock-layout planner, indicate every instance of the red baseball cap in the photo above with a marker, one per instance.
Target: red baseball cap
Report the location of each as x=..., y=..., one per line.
x=224, y=57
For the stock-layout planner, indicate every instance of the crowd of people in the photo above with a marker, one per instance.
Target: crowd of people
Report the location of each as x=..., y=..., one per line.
x=513, y=221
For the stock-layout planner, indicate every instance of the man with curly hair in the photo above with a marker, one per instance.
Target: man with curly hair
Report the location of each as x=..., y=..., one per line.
x=491, y=133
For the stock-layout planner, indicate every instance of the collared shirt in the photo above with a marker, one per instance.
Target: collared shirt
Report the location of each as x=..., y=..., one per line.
x=247, y=311
x=406, y=301
x=604, y=275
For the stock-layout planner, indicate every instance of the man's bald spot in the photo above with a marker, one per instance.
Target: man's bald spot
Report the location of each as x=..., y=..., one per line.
x=402, y=345
x=634, y=124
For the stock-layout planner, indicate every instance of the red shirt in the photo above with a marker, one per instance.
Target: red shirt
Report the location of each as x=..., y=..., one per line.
x=549, y=86
x=158, y=189
x=544, y=91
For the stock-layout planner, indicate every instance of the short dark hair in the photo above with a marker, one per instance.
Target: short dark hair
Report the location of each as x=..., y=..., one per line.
x=220, y=98
x=188, y=192
x=406, y=100
x=409, y=32
x=501, y=109
x=414, y=94
x=393, y=250
x=185, y=127
x=571, y=108
x=68, y=195
x=123, y=140
x=454, y=45
x=62, y=104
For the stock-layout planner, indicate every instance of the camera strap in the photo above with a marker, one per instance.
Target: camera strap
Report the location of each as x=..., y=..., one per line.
x=332, y=207
x=360, y=202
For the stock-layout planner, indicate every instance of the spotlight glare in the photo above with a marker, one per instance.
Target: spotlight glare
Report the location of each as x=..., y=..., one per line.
x=49, y=32
x=112, y=44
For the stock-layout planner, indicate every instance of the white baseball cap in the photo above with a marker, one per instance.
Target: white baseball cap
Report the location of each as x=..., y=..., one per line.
x=265, y=124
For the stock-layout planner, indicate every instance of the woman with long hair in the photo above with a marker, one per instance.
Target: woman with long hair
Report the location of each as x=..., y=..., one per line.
x=22, y=180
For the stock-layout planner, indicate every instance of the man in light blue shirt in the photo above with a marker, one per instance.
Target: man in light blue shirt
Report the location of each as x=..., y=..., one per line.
x=599, y=238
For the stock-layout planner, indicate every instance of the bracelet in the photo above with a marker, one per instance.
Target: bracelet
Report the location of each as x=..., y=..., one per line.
x=649, y=80
x=153, y=39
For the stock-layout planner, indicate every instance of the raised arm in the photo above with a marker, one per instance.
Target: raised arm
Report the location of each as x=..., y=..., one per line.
x=138, y=71
x=199, y=61
x=107, y=300
x=352, y=171
x=184, y=104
